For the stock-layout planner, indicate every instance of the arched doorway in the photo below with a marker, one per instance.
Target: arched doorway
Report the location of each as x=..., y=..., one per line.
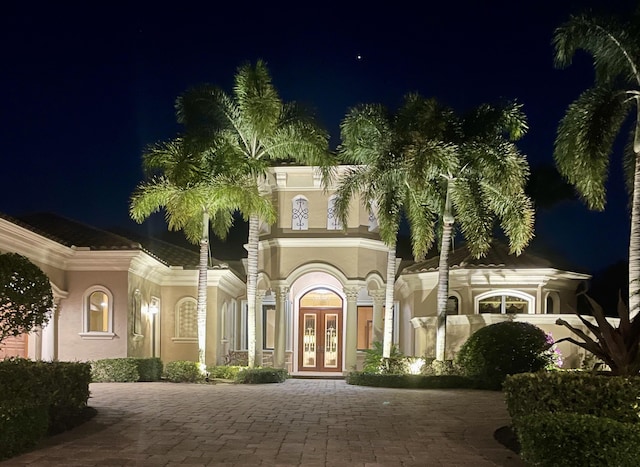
x=320, y=331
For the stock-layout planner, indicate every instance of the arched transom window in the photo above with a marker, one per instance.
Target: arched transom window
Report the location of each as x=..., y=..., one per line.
x=504, y=302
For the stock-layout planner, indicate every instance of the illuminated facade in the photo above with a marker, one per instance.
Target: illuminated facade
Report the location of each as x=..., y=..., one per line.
x=320, y=290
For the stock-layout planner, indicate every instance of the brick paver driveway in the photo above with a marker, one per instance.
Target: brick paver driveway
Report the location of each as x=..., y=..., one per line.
x=299, y=422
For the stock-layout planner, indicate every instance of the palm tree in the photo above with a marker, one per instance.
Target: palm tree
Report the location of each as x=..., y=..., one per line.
x=194, y=200
x=590, y=127
x=482, y=183
x=374, y=141
x=253, y=129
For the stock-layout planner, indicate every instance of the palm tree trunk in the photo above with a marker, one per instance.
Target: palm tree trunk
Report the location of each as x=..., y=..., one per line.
x=634, y=238
x=387, y=340
x=443, y=278
x=252, y=279
x=202, y=291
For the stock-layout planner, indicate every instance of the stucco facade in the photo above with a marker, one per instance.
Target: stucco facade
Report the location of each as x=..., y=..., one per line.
x=320, y=290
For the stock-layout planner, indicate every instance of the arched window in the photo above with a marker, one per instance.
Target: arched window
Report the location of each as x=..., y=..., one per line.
x=97, y=318
x=453, y=305
x=373, y=218
x=552, y=303
x=187, y=319
x=504, y=302
x=300, y=213
x=333, y=222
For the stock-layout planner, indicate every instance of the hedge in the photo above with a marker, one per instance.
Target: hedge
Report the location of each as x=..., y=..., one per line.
x=613, y=397
x=22, y=425
x=126, y=370
x=569, y=439
x=182, y=371
x=409, y=381
x=262, y=375
x=39, y=394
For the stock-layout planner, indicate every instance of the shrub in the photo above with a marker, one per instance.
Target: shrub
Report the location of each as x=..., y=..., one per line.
x=613, y=397
x=115, y=370
x=440, y=367
x=502, y=349
x=26, y=299
x=61, y=387
x=262, y=375
x=149, y=369
x=396, y=364
x=409, y=381
x=183, y=372
x=567, y=439
x=22, y=424
x=68, y=388
x=223, y=372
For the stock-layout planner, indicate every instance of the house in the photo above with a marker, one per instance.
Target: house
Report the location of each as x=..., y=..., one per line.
x=320, y=290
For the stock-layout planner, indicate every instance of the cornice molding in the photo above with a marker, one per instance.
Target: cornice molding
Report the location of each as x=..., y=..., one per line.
x=17, y=239
x=315, y=242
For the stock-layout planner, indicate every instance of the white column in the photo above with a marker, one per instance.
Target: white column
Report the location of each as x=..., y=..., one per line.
x=378, y=314
x=279, y=351
x=49, y=331
x=351, y=333
x=259, y=326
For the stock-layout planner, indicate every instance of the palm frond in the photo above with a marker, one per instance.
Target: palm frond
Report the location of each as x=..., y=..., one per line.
x=257, y=98
x=473, y=215
x=366, y=132
x=614, y=46
x=585, y=139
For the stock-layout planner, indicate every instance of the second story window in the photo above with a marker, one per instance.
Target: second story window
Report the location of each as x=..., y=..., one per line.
x=333, y=221
x=300, y=213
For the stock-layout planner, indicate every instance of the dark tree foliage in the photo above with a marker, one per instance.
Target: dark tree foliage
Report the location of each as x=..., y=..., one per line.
x=26, y=299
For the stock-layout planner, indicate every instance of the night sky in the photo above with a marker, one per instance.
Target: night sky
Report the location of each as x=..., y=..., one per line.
x=86, y=88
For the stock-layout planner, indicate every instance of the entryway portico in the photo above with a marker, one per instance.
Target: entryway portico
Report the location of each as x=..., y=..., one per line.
x=316, y=320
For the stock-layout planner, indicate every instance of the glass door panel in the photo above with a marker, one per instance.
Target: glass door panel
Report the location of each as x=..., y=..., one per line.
x=331, y=340
x=309, y=341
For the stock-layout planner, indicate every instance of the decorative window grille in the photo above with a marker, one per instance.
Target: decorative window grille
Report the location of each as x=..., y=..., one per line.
x=300, y=214
x=333, y=221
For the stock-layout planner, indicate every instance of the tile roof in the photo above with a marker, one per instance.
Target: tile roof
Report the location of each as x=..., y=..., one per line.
x=72, y=233
x=498, y=257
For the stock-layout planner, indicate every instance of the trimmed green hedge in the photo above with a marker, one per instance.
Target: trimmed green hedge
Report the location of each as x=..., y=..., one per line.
x=224, y=372
x=37, y=394
x=409, y=381
x=114, y=370
x=567, y=439
x=613, y=397
x=22, y=425
x=182, y=371
x=262, y=375
x=149, y=369
x=126, y=370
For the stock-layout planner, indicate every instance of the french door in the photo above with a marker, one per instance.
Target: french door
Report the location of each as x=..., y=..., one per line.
x=320, y=339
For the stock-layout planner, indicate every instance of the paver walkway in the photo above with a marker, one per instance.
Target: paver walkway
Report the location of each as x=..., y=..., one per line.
x=299, y=422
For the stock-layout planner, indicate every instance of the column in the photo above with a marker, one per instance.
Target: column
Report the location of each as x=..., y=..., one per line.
x=280, y=349
x=351, y=333
x=48, y=350
x=378, y=314
x=259, y=326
